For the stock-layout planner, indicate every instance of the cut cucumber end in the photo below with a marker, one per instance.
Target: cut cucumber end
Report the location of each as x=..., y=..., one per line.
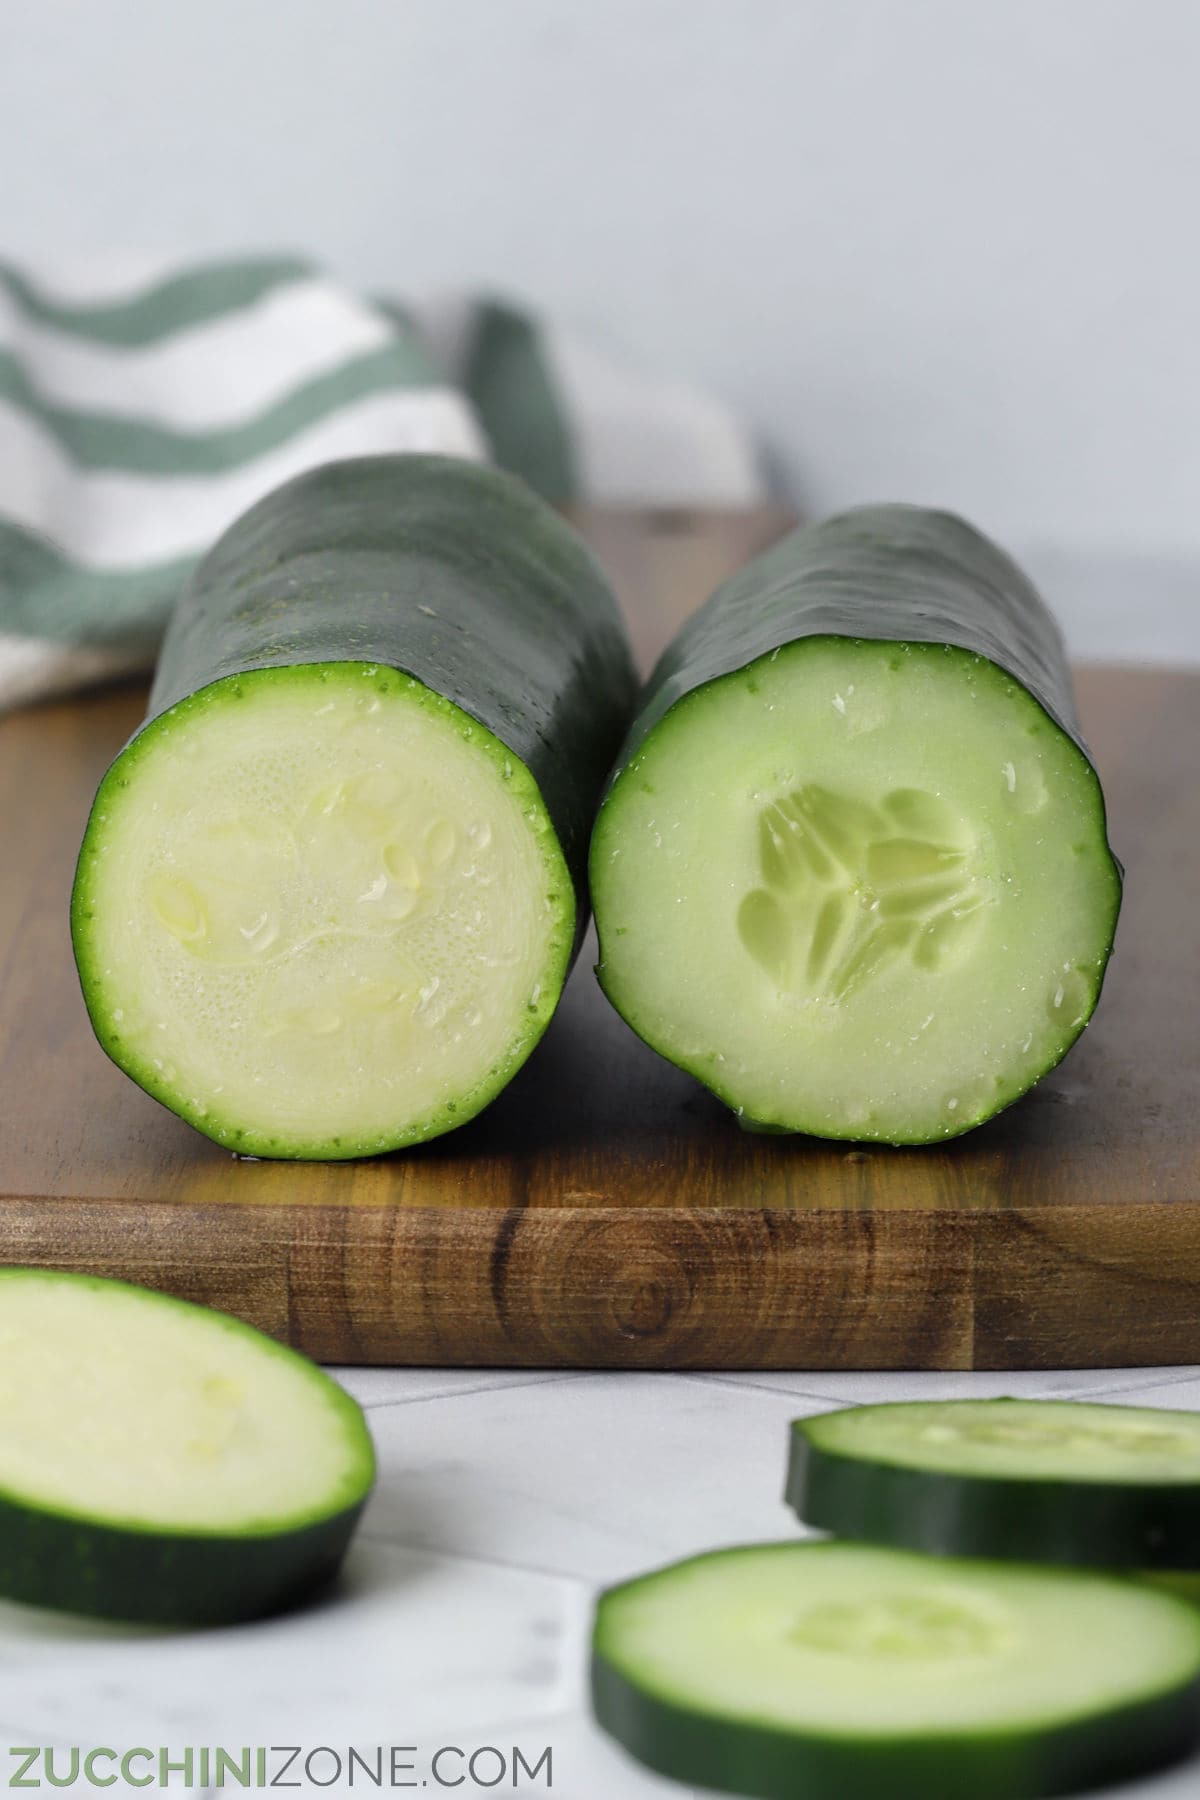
x=164, y=1462
x=320, y=911
x=840, y=1670
x=1034, y=1440
x=860, y=888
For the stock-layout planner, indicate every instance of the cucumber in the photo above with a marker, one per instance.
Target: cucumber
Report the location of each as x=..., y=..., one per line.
x=845, y=1672
x=164, y=1463
x=1039, y=1480
x=1185, y=1585
x=852, y=872
x=329, y=893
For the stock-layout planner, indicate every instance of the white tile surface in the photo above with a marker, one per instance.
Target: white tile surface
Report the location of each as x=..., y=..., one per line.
x=868, y=1387
x=413, y=1643
x=1181, y=1392
x=505, y=1498
x=391, y=1387
x=597, y=1475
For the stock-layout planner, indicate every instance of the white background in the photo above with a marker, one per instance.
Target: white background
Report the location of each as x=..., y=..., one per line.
x=940, y=250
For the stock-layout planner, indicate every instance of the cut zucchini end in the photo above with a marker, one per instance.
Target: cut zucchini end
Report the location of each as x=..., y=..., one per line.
x=320, y=911
x=861, y=889
x=124, y=1406
x=842, y=1669
x=163, y=1462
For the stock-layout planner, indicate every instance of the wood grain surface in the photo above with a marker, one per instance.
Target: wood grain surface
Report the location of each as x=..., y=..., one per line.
x=606, y=1211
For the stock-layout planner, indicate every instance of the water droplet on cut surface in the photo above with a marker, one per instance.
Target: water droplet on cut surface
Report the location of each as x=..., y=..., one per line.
x=262, y=933
x=480, y=834
x=1010, y=776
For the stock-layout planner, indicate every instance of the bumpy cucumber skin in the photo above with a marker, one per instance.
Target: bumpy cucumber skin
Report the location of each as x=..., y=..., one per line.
x=53, y=1558
x=769, y=1763
x=893, y=574
x=522, y=631
x=449, y=573
x=1098, y=1524
x=898, y=574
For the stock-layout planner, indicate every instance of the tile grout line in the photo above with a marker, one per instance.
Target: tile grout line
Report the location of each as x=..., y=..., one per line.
x=490, y=1387
x=476, y=1558
x=762, y=1387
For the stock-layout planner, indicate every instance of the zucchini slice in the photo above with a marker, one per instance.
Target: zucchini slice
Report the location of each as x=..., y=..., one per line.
x=852, y=872
x=1058, y=1481
x=329, y=893
x=840, y=1671
x=162, y=1462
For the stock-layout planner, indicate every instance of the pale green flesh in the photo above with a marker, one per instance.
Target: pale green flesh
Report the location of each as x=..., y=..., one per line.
x=860, y=889
x=320, y=911
x=124, y=1408
x=1020, y=1440
x=847, y=1640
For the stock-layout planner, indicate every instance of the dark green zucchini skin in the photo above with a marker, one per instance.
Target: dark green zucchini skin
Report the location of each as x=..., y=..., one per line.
x=761, y=1761
x=1092, y=1523
x=895, y=573
x=162, y=1578
x=446, y=570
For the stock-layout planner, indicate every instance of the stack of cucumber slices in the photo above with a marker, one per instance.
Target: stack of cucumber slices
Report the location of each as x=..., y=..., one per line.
x=944, y=1648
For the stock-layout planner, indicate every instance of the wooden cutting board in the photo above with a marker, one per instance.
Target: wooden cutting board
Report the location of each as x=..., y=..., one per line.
x=606, y=1211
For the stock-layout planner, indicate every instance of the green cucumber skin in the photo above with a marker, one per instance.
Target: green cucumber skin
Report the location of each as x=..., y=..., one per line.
x=522, y=631
x=1096, y=1524
x=159, y=1578
x=889, y=573
x=769, y=1764
x=896, y=574
x=68, y=1562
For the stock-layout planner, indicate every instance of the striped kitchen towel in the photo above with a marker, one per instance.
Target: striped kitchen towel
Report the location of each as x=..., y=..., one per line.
x=143, y=407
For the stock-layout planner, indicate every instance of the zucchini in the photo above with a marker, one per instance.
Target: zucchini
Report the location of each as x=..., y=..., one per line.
x=164, y=1463
x=852, y=872
x=840, y=1671
x=1040, y=1480
x=329, y=893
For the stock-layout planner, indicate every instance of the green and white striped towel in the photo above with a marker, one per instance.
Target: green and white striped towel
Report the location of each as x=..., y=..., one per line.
x=143, y=406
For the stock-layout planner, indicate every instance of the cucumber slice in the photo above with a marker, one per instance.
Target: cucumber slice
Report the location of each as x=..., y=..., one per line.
x=1184, y=1586
x=852, y=872
x=164, y=1463
x=842, y=1672
x=1040, y=1480
x=330, y=892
